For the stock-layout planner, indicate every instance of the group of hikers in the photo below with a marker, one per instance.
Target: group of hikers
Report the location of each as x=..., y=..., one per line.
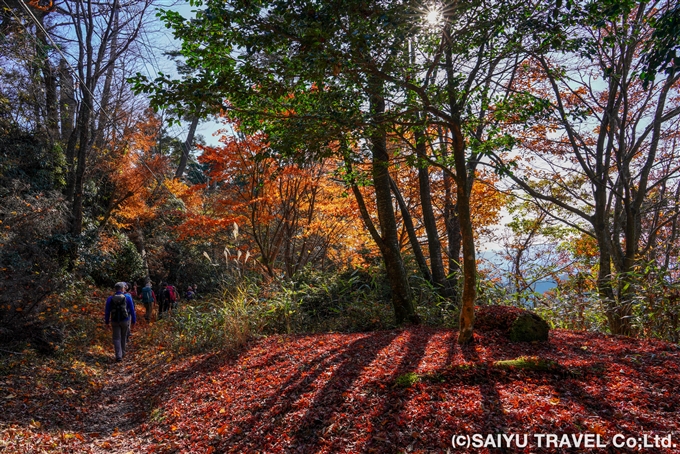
x=121, y=315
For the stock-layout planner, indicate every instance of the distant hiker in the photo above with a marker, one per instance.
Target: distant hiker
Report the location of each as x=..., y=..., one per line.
x=119, y=311
x=134, y=291
x=163, y=300
x=190, y=293
x=167, y=298
x=173, y=294
x=149, y=300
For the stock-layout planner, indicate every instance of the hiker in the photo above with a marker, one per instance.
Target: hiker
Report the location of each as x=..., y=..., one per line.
x=167, y=298
x=119, y=311
x=134, y=291
x=127, y=293
x=173, y=294
x=190, y=293
x=149, y=300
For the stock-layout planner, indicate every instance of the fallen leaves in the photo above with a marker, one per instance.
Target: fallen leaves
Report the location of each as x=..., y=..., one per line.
x=336, y=393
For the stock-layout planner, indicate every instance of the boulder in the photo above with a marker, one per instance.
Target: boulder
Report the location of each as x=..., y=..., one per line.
x=519, y=325
x=529, y=327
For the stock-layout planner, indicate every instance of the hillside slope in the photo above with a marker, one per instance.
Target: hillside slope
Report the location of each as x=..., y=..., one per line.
x=408, y=390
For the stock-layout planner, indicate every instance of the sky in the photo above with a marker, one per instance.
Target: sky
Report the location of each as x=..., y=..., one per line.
x=163, y=41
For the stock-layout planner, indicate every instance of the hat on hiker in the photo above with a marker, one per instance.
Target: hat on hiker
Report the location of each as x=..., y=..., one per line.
x=119, y=285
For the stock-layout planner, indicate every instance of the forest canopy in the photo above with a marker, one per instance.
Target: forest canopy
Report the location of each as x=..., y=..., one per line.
x=381, y=163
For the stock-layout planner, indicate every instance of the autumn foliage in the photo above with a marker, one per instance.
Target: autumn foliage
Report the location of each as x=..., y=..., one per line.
x=290, y=214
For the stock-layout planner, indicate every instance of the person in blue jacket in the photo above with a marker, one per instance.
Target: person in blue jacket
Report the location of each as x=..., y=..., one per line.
x=119, y=312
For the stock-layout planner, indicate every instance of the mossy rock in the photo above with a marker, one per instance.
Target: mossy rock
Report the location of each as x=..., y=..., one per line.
x=519, y=325
x=528, y=363
x=528, y=327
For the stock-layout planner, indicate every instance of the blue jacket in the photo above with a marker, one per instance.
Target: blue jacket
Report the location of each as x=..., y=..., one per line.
x=130, y=308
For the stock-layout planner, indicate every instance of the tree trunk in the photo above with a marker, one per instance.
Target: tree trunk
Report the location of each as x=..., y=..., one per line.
x=411, y=231
x=81, y=162
x=452, y=226
x=394, y=265
x=464, y=187
x=67, y=102
x=49, y=81
x=463, y=191
x=103, y=118
x=433, y=244
x=186, y=147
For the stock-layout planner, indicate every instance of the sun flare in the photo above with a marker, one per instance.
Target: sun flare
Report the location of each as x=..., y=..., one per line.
x=433, y=15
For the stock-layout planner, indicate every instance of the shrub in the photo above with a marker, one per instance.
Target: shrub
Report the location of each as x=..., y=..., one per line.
x=433, y=308
x=569, y=307
x=32, y=227
x=656, y=303
x=216, y=323
x=113, y=258
x=353, y=301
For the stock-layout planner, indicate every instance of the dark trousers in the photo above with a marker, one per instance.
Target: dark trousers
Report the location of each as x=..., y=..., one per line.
x=163, y=306
x=149, y=310
x=120, y=335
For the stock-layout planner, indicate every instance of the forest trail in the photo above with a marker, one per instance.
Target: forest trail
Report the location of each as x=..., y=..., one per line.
x=120, y=406
x=117, y=406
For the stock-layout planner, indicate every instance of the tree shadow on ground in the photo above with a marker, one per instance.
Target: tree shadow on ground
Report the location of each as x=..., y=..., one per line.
x=265, y=417
x=389, y=413
x=495, y=421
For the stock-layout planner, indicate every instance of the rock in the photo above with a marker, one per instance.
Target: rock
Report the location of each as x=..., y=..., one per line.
x=520, y=325
x=529, y=327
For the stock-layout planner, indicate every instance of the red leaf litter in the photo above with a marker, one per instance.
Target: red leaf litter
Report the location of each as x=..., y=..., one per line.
x=341, y=393
x=336, y=393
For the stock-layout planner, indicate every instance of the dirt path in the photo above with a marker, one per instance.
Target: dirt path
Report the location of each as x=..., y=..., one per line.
x=117, y=406
x=120, y=406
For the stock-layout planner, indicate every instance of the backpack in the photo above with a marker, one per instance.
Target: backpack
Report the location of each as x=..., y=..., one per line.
x=172, y=294
x=147, y=295
x=119, y=310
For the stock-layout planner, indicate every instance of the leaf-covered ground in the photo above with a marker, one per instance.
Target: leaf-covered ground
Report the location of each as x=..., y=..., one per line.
x=409, y=390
